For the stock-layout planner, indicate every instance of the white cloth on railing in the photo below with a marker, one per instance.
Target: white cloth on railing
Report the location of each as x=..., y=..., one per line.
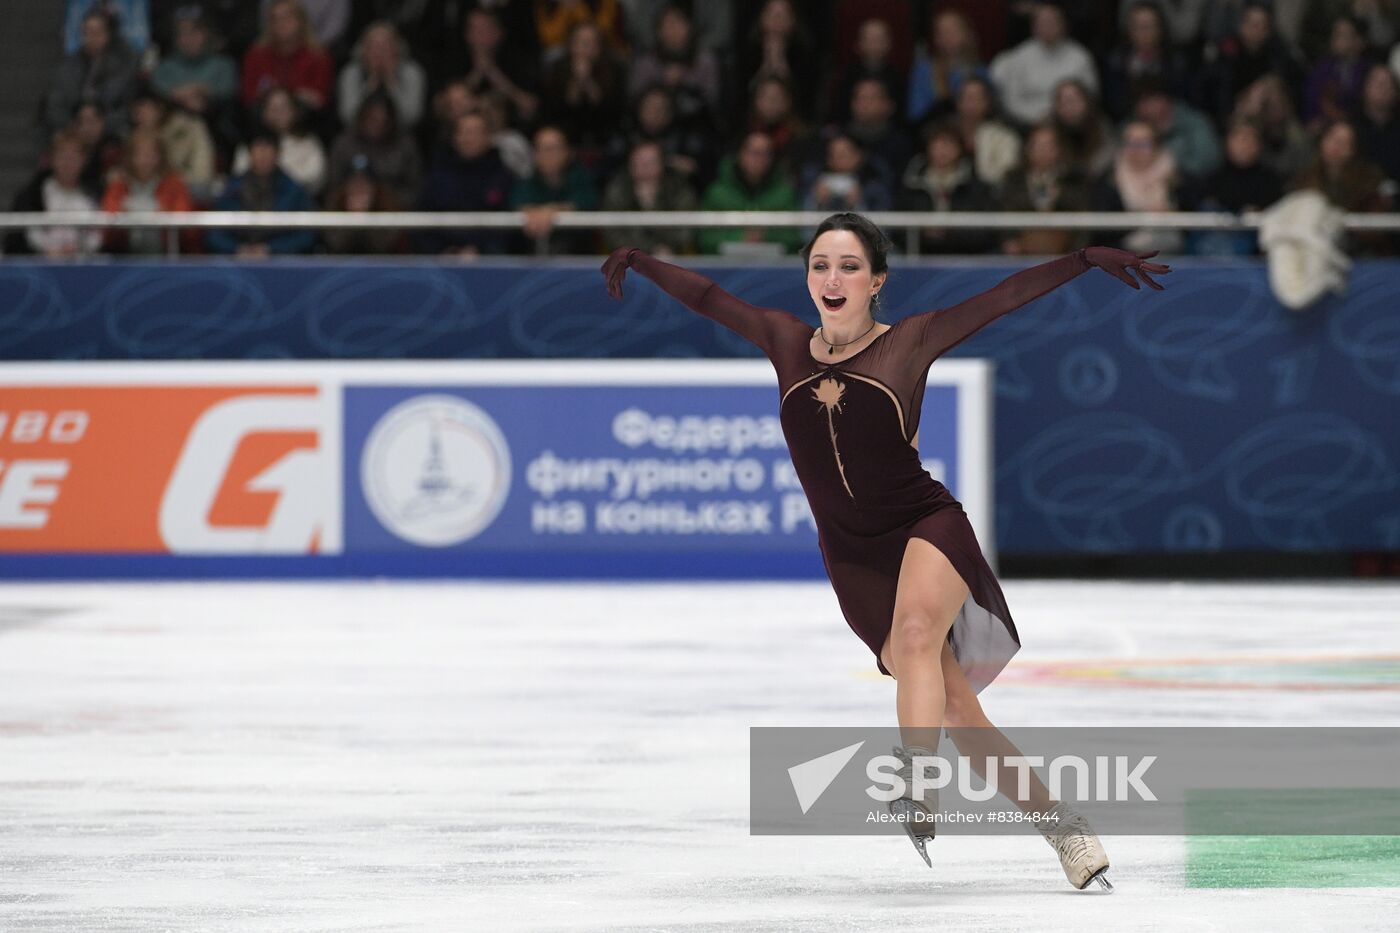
x=1302, y=235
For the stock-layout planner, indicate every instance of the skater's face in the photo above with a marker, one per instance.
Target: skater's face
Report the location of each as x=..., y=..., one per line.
x=839, y=278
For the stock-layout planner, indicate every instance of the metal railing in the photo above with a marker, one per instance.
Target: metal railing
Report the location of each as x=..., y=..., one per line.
x=908, y=221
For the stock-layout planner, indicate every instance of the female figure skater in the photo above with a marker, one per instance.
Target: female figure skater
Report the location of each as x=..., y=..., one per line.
x=907, y=570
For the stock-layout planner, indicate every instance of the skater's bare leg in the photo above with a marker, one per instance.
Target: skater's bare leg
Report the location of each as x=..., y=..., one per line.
x=929, y=595
x=976, y=738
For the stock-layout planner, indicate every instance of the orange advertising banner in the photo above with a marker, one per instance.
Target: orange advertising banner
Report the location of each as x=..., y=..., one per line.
x=167, y=469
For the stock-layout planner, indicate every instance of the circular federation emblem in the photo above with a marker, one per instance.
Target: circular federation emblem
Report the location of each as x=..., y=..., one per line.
x=435, y=470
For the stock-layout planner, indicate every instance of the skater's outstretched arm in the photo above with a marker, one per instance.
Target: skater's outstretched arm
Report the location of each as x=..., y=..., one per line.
x=757, y=325
x=940, y=330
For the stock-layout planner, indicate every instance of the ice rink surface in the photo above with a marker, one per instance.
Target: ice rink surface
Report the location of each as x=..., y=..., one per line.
x=508, y=756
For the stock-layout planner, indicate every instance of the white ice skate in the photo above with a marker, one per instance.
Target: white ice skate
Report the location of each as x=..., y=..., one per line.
x=1081, y=854
x=915, y=815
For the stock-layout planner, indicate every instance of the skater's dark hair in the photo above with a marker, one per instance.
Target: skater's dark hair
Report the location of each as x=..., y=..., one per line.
x=877, y=245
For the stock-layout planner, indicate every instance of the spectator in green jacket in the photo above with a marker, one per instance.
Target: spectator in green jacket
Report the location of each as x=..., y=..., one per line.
x=195, y=77
x=750, y=181
x=558, y=183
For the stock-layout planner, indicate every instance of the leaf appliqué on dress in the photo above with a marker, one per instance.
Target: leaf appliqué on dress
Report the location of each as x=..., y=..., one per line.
x=829, y=393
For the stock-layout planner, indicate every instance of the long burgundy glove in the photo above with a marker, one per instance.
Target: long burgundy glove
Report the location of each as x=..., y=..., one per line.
x=1117, y=262
x=615, y=268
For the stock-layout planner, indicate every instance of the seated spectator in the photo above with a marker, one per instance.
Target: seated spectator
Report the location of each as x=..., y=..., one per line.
x=360, y=192
x=680, y=65
x=941, y=178
x=779, y=47
x=1242, y=184
x=713, y=23
x=558, y=184
x=375, y=137
x=1145, y=53
x=556, y=20
x=873, y=126
x=1378, y=124
x=491, y=68
x=101, y=72
x=1351, y=182
x=1265, y=103
x=845, y=20
x=103, y=150
x=130, y=21
x=1339, y=171
x=1379, y=21
x=327, y=22
x=687, y=147
x=771, y=113
x=949, y=57
x=1086, y=136
x=194, y=76
x=1183, y=130
x=750, y=180
x=1188, y=21
x=61, y=190
x=1045, y=182
x=1144, y=178
x=871, y=63
x=1026, y=76
x=515, y=149
x=300, y=153
x=1253, y=51
x=146, y=183
x=234, y=25
x=846, y=181
x=263, y=187
x=1334, y=86
x=288, y=56
x=469, y=176
x=585, y=93
x=649, y=185
x=994, y=147
x=380, y=63
x=185, y=141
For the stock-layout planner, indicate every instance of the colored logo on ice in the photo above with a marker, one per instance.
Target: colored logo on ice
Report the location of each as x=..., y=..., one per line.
x=435, y=470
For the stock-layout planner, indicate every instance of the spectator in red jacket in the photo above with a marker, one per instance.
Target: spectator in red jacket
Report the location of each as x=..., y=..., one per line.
x=145, y=182
x=287, y=56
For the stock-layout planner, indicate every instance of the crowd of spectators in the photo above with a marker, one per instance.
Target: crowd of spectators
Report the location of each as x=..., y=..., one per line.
x=546, y=106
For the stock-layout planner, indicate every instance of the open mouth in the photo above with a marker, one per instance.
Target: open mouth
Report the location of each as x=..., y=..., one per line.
x=832, y=303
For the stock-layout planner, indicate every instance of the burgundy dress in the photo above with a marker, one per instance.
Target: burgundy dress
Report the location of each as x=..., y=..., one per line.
x=849, y=427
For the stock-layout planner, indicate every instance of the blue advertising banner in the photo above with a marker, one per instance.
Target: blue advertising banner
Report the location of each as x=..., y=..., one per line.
x=1202, y=419
x=596, y=463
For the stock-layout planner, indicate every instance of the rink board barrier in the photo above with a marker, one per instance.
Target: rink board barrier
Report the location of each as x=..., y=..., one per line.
x=1206, y=418
x=531, y=468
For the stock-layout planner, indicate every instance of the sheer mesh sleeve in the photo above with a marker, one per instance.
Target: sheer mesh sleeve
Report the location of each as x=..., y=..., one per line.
x=938, y=331
x=759, y=326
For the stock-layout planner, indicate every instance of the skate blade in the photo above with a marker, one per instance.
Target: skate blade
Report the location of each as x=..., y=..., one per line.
x=1101, y=876
x=904, y=809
